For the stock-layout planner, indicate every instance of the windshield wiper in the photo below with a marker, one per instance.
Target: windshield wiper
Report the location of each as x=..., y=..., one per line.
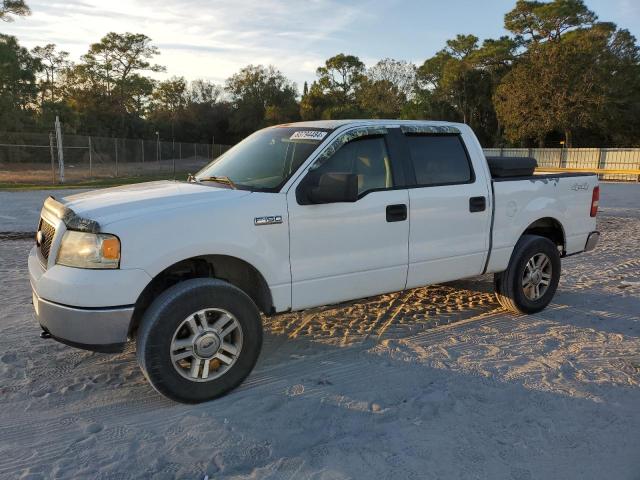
x=219, y=179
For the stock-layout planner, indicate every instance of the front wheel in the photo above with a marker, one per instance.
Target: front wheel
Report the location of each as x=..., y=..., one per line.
x=531, y=279
x=199, y=339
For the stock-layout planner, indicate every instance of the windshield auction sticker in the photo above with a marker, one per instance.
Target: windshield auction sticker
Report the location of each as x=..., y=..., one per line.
x=308, y=135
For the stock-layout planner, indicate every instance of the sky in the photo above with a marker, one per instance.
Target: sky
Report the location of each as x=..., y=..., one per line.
x=213, y=39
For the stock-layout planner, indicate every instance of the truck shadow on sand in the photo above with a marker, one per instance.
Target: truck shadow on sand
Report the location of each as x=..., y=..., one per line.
x=390, y=315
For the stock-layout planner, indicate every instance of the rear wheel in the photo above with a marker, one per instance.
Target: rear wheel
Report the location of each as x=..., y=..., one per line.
x=531, y=279
x=199, y=339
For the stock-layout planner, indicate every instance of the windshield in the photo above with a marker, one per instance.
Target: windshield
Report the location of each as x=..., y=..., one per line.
x=265, y=160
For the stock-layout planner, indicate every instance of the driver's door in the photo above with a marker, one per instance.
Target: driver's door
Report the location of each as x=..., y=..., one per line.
x=343, y=251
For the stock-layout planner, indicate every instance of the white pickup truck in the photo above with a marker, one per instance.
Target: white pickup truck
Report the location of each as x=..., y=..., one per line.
x=293, y=217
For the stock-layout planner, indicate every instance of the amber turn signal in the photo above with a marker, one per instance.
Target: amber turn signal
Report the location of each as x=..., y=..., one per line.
x=111, y=248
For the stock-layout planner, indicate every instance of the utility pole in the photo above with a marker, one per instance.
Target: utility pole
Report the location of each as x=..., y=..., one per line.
x=90, y=158
x=60, y=149
x=53, y=158
x=157, y=146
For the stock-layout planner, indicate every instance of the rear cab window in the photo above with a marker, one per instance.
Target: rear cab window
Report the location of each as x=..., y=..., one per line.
x=439, y=159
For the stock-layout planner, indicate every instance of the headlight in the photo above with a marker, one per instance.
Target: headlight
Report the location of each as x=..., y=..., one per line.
x=89, y=250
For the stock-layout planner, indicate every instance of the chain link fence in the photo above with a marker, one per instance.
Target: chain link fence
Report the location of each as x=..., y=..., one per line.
x=32, y=158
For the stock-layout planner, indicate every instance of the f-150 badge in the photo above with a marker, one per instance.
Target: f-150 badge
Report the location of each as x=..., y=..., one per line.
x=271, y=220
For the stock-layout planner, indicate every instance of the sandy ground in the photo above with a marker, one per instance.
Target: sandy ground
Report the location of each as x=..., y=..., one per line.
x=436, y=382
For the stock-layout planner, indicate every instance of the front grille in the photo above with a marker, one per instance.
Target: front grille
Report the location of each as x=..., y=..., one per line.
x=47, y=232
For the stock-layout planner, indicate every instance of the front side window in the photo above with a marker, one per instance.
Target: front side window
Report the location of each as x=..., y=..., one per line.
x=265, y=160
x=366, y=157
x=439, y=159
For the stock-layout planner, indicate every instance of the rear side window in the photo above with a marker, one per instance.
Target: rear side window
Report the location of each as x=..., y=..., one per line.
x=439, y=159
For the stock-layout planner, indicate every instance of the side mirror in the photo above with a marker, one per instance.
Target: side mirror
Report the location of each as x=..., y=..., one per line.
x=328, y=188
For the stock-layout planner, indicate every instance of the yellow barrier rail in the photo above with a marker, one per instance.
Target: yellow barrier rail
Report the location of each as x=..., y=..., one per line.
x=600, y=171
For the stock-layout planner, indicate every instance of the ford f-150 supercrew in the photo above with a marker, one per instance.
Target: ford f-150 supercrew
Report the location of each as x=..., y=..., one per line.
x=293, y=217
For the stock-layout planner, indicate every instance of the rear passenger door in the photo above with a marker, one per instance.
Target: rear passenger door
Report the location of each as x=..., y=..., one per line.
x=449, y=214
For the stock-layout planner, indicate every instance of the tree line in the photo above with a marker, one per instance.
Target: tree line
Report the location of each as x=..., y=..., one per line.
x=561, y=77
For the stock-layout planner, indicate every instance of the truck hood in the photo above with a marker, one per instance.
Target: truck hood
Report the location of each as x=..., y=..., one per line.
x=118, y=203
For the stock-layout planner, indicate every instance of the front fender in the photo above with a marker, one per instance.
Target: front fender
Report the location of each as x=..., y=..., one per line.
x=155, y=242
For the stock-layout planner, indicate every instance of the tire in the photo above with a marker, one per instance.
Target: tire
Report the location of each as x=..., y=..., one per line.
x=510, y=287
x=188, y=314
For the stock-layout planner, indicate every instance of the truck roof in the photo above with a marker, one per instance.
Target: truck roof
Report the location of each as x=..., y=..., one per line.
x=332, y=124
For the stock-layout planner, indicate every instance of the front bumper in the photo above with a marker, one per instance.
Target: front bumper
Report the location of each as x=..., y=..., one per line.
x=89, y=309
x=99, y=329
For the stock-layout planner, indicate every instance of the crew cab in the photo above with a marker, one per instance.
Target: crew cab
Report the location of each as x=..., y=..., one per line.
x=297, y=216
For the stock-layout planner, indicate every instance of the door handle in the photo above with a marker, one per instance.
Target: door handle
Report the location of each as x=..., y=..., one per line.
x=396, y=213
x=477, y=204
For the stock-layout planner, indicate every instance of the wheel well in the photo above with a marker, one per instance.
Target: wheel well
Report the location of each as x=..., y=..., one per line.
x=549, y=228
x=231, y=269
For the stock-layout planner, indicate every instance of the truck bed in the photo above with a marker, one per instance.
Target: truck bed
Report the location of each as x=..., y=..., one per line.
x=563, y=198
